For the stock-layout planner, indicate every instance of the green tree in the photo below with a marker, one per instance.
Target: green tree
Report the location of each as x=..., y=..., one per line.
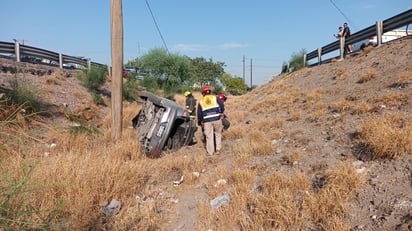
x=206, y=72
x=170, y=70
x=296, y=60
x=234, y=85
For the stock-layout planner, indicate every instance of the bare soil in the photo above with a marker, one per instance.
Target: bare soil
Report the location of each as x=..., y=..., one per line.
x=384, y=203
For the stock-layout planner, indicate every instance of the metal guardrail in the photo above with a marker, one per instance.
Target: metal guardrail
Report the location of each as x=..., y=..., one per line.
x=23, y=51
x=400, y=20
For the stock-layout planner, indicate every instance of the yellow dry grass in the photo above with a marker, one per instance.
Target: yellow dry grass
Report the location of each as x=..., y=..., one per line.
x=395, y=99
x=387, y=136
x=370, y=74
x=341, y=74
x=319, y=110
x=341, y=106
x=312, y=96
x=254, y=143
x=405, y=77
x=283, y=202
x=78, y=174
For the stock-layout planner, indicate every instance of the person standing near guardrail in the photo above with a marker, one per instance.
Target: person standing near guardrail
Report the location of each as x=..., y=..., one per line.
x=340, y=33
x=209, y=114
x=346, y=34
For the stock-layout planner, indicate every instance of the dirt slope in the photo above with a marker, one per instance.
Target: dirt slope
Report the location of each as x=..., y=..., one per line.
x=385, y=203
x=329, y=104
x=324, y=110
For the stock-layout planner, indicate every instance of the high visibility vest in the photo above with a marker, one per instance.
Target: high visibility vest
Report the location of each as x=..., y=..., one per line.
x=210, y=108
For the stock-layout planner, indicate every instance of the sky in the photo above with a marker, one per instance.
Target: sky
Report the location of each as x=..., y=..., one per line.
x=252, y=38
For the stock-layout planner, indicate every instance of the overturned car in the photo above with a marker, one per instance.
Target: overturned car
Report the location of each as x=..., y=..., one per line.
x=162, y=124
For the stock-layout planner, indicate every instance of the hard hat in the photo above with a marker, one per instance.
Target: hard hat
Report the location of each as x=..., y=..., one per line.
x=187, y=93
x=222, y=97
x=206, y=90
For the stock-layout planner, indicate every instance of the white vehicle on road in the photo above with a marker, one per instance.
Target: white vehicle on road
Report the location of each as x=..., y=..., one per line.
x=386, y=37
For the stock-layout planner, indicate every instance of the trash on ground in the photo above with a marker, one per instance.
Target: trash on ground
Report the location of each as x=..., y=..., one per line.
x=111, y=208
x=178, y=182
x=218, y=201
x=220, y=182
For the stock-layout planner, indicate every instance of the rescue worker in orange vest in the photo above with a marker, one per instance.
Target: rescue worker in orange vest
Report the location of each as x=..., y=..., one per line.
x=209, y=115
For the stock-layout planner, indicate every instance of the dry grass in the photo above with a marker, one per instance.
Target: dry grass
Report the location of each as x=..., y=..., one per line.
x=236, y=116
x=318, y=111
x=254, y=143
x=404, y=79
x=292, y=158
x=312, y=97
x=294, y=114
x=341, y=74
x=342, y=182
x=370, y=74
x=235, y=132
x=396, y=99
x=283, y=202
x=276, y=100
x=267, y=124
x=82, y=172
x=367, y=49
x=341, y=106
x=387, y=136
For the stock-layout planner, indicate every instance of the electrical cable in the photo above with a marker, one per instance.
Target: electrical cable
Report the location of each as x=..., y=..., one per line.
x=350, y=22
x=157, y=27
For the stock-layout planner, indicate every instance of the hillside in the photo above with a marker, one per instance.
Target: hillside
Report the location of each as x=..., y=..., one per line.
x=323, y=148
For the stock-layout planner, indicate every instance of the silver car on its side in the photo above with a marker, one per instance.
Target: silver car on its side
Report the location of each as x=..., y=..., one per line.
x=162, y=124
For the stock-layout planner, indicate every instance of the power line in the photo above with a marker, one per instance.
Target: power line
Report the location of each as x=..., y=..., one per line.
x=347, y=19
x=158, y=30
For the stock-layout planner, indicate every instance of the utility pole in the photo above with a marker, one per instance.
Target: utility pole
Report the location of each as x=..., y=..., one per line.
x=244, y=70
x=116, y=26
x=251, y=73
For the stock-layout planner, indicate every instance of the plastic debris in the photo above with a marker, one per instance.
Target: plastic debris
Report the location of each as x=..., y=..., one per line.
x=220, y=182
x=111, y=208
x=196, y=174
x=218, y=201
x=178, y=182
x=51, y=145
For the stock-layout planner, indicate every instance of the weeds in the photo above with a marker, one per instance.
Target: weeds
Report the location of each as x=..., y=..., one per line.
x=17, y=211
x=23, y=93
x=404, y=79
x=130, y=92
x=92, y=79
x=370, y=74
x=387, y=136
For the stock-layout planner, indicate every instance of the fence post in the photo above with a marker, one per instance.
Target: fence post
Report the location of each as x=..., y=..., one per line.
x=379, y=29
x=89, y=64
x=17, y=50
x=319, y=55
x=304, y=60
x=60, y=60
x=342, y=47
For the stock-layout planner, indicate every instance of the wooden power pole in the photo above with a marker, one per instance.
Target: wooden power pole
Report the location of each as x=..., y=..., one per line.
x=116, y=26
x=244, y=70
x=251, y=77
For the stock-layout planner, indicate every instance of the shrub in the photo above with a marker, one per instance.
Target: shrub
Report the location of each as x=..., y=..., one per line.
x=93, y=78
x=150, y=83
x=23, y=93
x=16, y=209
x=130, y=92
